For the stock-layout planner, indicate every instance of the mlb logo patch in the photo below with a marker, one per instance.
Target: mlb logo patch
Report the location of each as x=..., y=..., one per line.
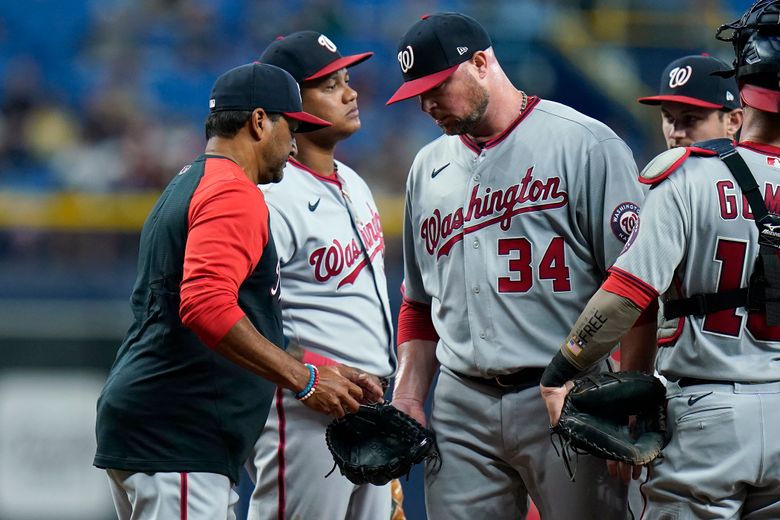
x=774, y=162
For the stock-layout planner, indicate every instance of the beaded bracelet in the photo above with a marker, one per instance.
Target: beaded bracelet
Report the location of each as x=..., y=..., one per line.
x=314, y=386
x=313, y=380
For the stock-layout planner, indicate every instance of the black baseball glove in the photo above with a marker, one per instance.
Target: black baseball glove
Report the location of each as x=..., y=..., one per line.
x=378, y=443
x=619, y=416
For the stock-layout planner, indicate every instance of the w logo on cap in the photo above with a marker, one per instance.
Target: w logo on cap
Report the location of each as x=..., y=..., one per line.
x=679, y=76
x=325, y=42
x=406, y=59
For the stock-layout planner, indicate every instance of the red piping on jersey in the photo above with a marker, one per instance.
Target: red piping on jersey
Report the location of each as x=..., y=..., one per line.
x=351, y=277
x=445, y=247
x=478, y=147
x=332, y=180
x=280, y=455
x=183, y=496
x=671, y=340
x=629, y=286
x=766, y=149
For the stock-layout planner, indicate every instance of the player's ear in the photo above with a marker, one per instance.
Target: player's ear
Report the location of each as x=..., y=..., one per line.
x=480, y=61
x=734, y=121
x=258, y=123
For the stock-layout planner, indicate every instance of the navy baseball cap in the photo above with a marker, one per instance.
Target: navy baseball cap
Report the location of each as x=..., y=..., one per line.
x=690, y=80
x=308, y=55
x=433, y=48
x=258, y=85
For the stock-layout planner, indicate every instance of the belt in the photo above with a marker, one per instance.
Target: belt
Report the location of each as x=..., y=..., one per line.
x=520, y=380
x=691, y=381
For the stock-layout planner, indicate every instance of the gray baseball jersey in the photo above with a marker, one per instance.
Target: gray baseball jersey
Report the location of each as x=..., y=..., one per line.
x=331, y=252
x=507, y=241
x=334, y=303
x=697, y=226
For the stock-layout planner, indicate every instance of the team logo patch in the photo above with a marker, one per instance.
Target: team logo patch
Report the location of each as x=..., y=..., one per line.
x=679, y=76
x=623, y=220
x=774, y=162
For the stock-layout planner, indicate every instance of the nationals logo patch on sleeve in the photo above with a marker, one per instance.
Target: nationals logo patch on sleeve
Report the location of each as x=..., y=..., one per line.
x=623, y=219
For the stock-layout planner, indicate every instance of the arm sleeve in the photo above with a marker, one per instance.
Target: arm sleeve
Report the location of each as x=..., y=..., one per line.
x=613, y=198
x=228, y=230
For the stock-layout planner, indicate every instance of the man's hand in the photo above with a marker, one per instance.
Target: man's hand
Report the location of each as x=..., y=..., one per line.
x=335, y=395
x=412, y=407
x=373, y=391
x=553, y=400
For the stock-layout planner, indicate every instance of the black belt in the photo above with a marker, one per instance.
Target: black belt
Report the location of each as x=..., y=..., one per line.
x=520, y=380
x=691, y=381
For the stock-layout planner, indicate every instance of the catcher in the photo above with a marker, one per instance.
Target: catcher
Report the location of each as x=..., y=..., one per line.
x=723, y=374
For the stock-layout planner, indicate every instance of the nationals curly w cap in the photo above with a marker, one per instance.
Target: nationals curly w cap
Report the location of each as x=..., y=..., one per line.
x=433, y=48
x=258, y=85
x=308, y=55
x=690, y=80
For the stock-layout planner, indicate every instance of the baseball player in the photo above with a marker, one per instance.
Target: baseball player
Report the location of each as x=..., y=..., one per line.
x=334, y=302
x=512, y=219
x=190, y=388
x=695, y=104
x=711, y=220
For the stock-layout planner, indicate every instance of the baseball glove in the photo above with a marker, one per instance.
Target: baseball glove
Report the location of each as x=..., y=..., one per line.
x=619, y=416
x=378, y=443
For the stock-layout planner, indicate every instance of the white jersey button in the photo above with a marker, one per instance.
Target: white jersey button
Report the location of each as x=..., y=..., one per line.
x=475, y=289
x=482, y=334
x=476, y=177
x=476, y=244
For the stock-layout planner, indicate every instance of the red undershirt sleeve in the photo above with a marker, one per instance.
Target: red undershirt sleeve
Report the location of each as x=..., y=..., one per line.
x=228, y=230
x=414, y=322
x=629, y=286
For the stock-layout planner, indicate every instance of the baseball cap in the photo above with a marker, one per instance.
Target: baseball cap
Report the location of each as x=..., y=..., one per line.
x=433, y=48
x=690, y=80
x=308, y=55
x=258, y=85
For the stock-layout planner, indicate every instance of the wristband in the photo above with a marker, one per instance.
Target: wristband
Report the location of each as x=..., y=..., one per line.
x=558, y=371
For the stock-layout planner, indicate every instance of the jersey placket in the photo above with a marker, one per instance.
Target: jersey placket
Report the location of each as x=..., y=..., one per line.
x=476, y=267
x=357, y=224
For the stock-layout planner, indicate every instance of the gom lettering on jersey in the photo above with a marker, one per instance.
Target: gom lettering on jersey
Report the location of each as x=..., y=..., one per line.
x=729, y=204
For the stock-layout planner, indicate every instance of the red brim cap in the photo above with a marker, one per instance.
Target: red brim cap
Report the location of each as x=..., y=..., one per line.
x=761, y=98
x=341, y=63
x=685, y=100
x=308, y=122
x=415, y=87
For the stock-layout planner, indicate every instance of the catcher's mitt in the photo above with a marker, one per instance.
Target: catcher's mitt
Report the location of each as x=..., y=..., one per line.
x=378, y=443
x=619, y=416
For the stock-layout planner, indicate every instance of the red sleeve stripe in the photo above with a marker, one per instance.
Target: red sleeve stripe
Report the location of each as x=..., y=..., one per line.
x=629, y=286
x=414, y=322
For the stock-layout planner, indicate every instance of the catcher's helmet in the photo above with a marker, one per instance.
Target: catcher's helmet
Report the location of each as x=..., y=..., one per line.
x=756, y=40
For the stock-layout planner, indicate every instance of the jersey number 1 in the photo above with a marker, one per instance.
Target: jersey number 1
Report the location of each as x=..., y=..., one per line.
x=551, y=267
x=731, y=255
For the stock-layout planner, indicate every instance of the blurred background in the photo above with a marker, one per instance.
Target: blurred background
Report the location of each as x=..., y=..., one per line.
x=103, y=101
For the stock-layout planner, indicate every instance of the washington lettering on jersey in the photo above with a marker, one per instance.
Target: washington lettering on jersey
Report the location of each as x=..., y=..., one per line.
x=728, y=194
x=500, y=205
x=332, y=260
